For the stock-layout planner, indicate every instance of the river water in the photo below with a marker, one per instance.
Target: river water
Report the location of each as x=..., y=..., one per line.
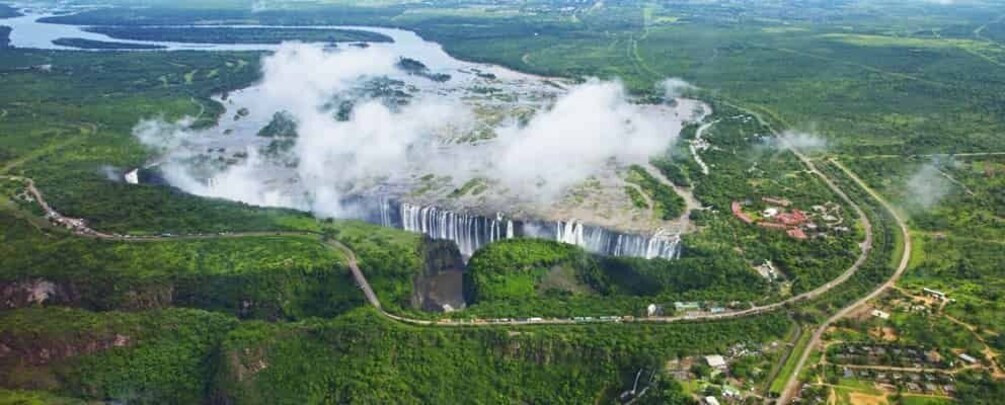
x=469, y=231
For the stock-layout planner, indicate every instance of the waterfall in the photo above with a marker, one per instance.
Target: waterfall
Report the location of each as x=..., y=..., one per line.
x=472, y=232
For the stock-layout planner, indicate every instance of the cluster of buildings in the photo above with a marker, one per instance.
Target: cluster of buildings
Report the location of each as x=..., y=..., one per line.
x=794, y=222
x=887, y=355
x=914, y=382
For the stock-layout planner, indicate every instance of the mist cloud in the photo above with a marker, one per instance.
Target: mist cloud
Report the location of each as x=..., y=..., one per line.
x=539, y=159
x=800, y=140
x=675, y=87
x=927, y=187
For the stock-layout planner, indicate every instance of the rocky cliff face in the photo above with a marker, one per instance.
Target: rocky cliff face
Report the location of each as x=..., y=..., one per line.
x=45, y=292
x=20, y=294
x=440, y=287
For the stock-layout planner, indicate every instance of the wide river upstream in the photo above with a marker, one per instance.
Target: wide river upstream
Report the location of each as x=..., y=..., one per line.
x=469, y=230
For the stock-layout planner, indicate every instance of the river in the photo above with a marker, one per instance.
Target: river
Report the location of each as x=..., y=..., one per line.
x=469, y=231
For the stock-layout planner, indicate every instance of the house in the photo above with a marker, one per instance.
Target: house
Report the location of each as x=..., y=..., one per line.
x=686, y=306
x=968, y=358
x=880, y=314
x=769, y=212
x=711, y=401
x=716, y=361
x=935, y=293
x=651, y=310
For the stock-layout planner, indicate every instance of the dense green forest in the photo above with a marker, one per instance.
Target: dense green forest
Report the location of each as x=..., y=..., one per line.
x=532, y=277
x=209, y=35
x=92, y=44
x=188, y=356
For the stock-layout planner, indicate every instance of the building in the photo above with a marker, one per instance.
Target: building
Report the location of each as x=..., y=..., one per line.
x=711, y=401
x=772, y=225
x=133, y=176
x=769, y=212
x=880, y=314
x=651, y=310
x=935, y=293
x=716, y=361
x=686, y=306
x=738, y=212
x=968, y=358
x=793, y=218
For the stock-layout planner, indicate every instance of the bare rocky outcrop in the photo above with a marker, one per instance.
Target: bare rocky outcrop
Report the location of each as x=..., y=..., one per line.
x=31, y=292
x=36, y=352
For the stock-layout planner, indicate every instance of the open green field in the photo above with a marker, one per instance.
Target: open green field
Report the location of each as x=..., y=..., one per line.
x=778, y=384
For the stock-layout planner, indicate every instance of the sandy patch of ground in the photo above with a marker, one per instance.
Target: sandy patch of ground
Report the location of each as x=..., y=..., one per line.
x=886, y=333
x=858, y=398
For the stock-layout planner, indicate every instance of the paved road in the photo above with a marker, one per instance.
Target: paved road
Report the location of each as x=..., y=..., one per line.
x=792, y=385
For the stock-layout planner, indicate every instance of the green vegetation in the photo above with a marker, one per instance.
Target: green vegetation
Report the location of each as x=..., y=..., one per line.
x=148, y=357
x=282, y=125
x=224, y=35
x=82, y=43
x=667, y=203
x=530, y=277
x=22, y=397
x=778, y=384
x=188, y=356
x=350, y=355
x=955, y=206
x=265, y=277
x=745, y=166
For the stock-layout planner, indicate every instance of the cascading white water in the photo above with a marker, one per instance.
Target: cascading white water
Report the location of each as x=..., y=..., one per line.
x=472, y=232
x=598, y=240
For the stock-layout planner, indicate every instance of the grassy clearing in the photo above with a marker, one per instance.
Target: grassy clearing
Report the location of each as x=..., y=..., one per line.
x=778, y=384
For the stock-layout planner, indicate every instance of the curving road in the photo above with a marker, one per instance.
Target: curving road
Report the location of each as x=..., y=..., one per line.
x=81, y=229
x=793, y=384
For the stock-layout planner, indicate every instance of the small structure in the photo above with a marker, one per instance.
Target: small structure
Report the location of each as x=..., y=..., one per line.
x=133, y=176
x=686, y=306
x=772, y=225
x=716, y=361
x=935, y=293
x=880, y=314
x=796, y=233
x=711, y=401
x=651, y=310
x=738, y=212
x=767, y=270
x=769, y=212
x=968, y=358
